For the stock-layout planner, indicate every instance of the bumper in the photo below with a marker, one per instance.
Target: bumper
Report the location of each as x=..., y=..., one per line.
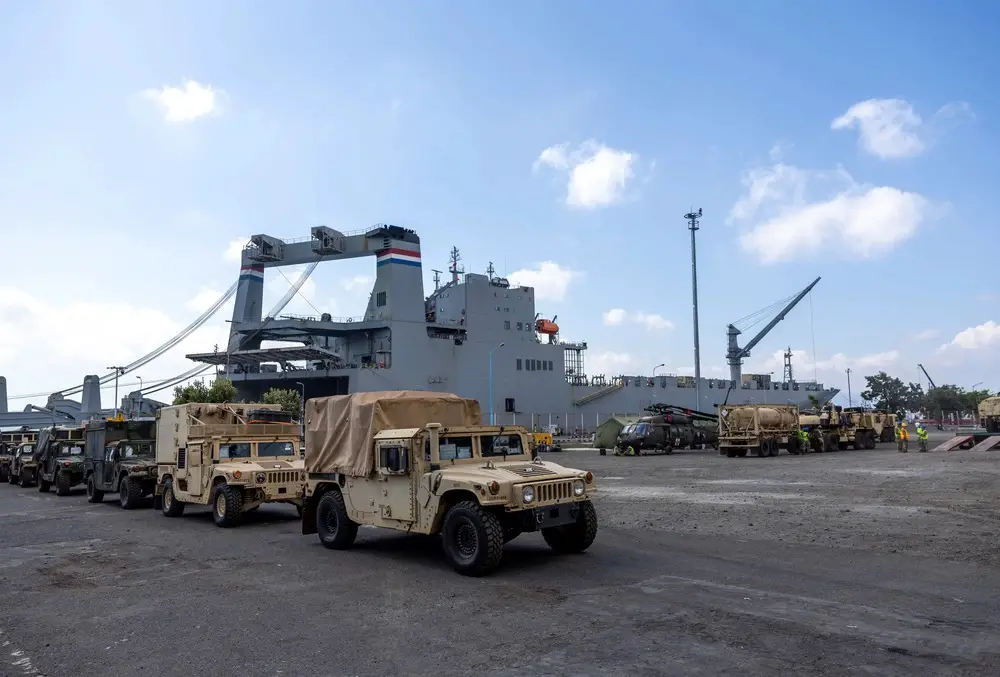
x=535, y=519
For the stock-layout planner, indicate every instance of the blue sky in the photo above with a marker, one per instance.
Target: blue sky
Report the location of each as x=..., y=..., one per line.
x=435, y=116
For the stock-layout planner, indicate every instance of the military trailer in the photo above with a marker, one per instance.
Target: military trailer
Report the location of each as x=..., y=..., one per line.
x=59, y=455
x=23, y=465
x=220, y=455
x=9, y=442
x=989, y=414
x=763, y=429
x=420, y=462
x=120, y=457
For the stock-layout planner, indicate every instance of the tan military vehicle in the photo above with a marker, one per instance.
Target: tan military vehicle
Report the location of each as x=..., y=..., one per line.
x=234, y=457
x=420, y=462
x=763, y=429
x=989, y=414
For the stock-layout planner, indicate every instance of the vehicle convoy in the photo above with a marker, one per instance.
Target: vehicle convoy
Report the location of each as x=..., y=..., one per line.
x=219, y=455
x=59, y=455
x=23, y=468
x=763, y=429
x=420, y=462
x=9, y=442
x=989, y=414
x=842, y=429
x=119, y=457
x=666, y=429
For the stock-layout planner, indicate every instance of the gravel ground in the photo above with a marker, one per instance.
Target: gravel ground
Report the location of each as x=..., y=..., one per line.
x=857, y=562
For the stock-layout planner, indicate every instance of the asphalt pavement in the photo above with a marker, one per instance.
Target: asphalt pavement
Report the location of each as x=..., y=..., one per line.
x=96, y=590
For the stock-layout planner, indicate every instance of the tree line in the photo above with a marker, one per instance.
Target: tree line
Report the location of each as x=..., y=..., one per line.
x=222, y=390
x=889, y=393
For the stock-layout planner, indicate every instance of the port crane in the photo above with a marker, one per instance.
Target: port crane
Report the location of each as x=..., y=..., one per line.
x=930, y=381
x=735, y=354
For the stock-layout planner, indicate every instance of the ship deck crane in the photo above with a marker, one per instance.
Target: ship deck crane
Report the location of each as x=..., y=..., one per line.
x=735, y=354
x=930, y=381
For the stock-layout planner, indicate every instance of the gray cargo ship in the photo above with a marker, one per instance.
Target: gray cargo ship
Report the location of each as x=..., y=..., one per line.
x=476, y=335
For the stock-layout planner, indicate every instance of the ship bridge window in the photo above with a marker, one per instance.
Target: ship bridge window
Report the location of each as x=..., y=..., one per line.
x=380, y=299
x=234, y=450
x=519, y=364
x=500, y=445
x=520, y=326
x=506, y=325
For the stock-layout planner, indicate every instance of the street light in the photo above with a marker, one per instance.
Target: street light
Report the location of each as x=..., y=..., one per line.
x=119, y=371
x=492, y=416
x=139, y=414
x=302, y=411
x=975, y=393
x=657, y=367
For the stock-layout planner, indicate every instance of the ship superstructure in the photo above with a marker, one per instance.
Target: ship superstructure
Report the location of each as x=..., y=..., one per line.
x=476, y=335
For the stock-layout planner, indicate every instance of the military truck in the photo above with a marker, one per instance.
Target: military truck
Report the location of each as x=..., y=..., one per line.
x=59, y=455
x=989, y=414
x=9, y=442
x=419, y=462
x=763, y=429
x=219, y=455
x=810, y=424
x=843, y=428
x=23, y=468
x=667, y=428
x=119, y=457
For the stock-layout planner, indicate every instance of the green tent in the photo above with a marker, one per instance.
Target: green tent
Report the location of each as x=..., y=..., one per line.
x=607, y=432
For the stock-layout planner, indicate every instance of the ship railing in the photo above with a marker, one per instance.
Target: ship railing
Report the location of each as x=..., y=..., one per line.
x=313, y=318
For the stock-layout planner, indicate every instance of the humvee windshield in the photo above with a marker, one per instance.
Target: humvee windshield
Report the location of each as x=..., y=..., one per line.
x=452, y=448
x=275, y=449
x=140, y=449
x=26, y=451
x=501, y=445
x=241, y=450
x=71, y=451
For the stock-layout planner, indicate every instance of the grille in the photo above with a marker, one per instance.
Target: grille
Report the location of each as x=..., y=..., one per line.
x=553, y=491
x=531, y=471
x=282, y=476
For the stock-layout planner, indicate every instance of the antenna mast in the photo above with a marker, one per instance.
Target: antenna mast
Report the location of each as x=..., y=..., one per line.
x=693, y=219
x=437, y=278
x=491, y=271
x=788, y=366
x=454, y=269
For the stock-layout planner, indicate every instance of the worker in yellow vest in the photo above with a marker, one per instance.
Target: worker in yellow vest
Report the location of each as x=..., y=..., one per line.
x=902, y=438
x=922, y=437
x=804, y=440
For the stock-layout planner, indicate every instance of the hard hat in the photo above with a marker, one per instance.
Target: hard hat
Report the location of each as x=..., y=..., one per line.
x=904, y=424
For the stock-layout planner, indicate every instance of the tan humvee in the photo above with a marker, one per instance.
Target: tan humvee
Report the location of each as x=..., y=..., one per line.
x=989, y=414
x=217, y=454
x=419, y=462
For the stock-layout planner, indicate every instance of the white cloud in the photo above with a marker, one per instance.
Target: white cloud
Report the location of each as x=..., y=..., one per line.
x=358, y=283
x=609, y=363
x=203, y=300
x=549, y=279
x=234, y=250
x=789, y=213
x=186, y=103
x=974, y=338
x=803, y=364
x=598, y=174
x=618, y=316
x=891, y=128
x=926, y=335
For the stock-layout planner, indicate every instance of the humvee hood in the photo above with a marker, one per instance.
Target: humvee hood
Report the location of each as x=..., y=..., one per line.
x=524, y=471
x=263, y=464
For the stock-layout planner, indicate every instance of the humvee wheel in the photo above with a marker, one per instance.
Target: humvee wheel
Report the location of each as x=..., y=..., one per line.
x=334, y=526
x=62, y=484
x=129, y=493
x=43, y=486
x=94, y=495
x=574, y=538
x=227, y=505
x=171, y=506
x=472, y=538
x=22, y=480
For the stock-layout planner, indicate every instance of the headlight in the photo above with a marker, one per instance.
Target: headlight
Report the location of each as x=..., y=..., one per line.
x=528, y=494
x=578, y=488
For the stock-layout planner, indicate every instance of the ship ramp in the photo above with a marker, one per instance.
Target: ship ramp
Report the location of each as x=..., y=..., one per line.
x=590, y=397
x=953, y=443
x=990, y=443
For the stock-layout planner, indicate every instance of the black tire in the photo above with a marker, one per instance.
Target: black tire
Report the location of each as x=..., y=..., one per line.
x=43, y=486
x=870, y=439
x=94, y=495
x=334, y=526
x=227, y=505
x=171, y=506
x=859, y=440
x=730, y=453
x=775, y=449
x=129, y=493
x=23, y=479
x=577, y=537
x=472, y=538
x=63, y=484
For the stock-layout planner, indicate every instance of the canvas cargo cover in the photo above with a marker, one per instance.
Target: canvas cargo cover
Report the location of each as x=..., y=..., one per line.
x=340, y=429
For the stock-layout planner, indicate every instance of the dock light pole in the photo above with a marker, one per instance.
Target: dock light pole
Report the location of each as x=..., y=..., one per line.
x=139, y=414
x=657, y=367
x=492, y=415
x=975, y=411
x=302, y=411
x=850, y=402
x=119, y=371
x=693, y=219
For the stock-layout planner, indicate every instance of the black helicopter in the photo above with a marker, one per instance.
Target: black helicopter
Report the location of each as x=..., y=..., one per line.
x=668, y=427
